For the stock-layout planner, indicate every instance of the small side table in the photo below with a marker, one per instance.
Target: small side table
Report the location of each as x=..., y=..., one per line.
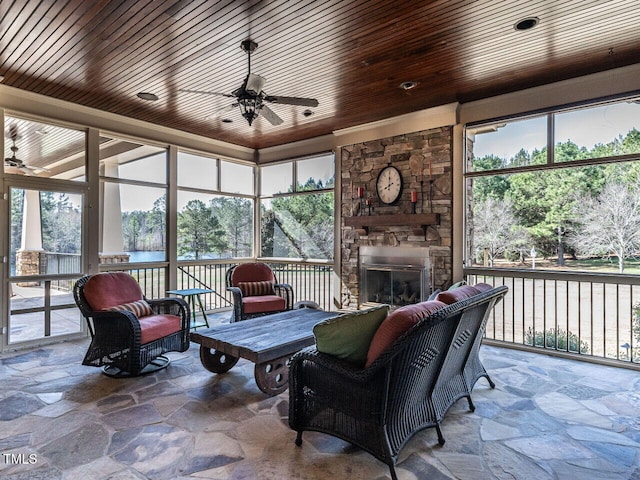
x=190, y=295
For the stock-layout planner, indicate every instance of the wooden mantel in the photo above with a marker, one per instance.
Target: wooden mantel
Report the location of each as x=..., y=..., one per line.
x=364, y=222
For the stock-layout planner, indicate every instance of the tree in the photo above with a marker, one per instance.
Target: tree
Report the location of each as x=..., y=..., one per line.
x=307, y=222
x=495, y=228
x=61, y=223
x=199, y=231
x=492, y=186
x=236, y=219
x=610, y=223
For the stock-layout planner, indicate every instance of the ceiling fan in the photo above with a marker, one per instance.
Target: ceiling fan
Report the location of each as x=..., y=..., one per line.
x=15, y=162
x=251, y=98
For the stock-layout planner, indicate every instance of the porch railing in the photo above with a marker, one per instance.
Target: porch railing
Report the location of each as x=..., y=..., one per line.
x=310, y=280
x=593, y=316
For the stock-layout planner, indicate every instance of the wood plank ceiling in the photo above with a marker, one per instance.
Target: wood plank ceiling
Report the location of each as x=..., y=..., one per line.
x=351, y=55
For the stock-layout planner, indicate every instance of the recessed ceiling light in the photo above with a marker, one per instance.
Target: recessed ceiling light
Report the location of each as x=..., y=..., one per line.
x=227, y=120
x=307, y=113
x=408, y=85
x=152, y=97
x=526, y=23
x=41, y=131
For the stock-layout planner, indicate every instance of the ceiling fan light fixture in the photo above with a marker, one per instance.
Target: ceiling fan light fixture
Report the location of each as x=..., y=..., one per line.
x=250, y=108
x=526, y=24
x=151, y=97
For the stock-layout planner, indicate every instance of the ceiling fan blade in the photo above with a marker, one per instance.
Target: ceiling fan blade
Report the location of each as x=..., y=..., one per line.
x=221, y=111
x=34, y=168
x=271, y=116
x=305, y=102
x=204, y=92
x=255, y=83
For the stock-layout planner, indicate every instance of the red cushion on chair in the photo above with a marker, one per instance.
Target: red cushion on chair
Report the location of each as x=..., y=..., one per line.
x=252, y=272
x=154, y=327
x=264, y=303
x=105, y=290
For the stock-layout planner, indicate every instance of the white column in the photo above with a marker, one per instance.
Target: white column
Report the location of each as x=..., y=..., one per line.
x=112, y=242
x=31, y=225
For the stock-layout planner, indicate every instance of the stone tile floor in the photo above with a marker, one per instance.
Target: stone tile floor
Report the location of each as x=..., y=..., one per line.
x=548, y=418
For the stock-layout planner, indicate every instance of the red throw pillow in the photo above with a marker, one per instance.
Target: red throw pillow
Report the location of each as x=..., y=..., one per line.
x=397, y=323
x=457, y=294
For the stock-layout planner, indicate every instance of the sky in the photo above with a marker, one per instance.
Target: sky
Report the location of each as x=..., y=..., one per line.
x=200, y=172
x=585, y=127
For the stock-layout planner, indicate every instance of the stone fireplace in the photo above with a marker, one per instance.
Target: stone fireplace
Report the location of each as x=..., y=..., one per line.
x=425, y=160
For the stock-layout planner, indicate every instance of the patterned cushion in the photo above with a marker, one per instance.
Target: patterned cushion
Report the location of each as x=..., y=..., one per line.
x=141, y=308
x=255, y=289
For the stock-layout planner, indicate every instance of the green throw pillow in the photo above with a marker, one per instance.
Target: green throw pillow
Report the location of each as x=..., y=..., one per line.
x=349, y=336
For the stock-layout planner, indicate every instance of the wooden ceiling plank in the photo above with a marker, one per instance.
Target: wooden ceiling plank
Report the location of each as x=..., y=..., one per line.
x=86, y=59
x=187, y=34
x=52, y=59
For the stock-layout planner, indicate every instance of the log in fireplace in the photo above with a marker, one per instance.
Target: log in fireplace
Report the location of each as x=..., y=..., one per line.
x=394, y=275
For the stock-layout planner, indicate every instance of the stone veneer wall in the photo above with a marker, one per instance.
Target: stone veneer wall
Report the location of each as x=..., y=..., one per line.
x=418, y=156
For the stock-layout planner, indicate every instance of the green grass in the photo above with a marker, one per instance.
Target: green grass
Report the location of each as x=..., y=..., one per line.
x=597, y=264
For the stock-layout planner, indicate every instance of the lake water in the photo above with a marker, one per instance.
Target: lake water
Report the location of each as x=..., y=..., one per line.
x=143, y=256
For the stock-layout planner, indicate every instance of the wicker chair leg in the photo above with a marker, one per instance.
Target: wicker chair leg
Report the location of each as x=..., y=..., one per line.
x=472, y=407
x=392, y=470
x=299, y=438
x=440, y=437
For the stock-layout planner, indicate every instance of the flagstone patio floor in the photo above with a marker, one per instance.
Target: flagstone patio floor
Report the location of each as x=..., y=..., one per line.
x=547, y=419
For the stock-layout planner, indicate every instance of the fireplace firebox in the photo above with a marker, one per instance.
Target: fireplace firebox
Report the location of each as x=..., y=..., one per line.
x=394, y=275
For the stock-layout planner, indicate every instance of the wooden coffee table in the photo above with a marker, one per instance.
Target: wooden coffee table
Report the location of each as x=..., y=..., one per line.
x=267, y=341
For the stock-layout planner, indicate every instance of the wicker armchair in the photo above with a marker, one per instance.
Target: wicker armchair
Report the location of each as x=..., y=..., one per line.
x=256, y=291
x=129, y=333
x=406, y=389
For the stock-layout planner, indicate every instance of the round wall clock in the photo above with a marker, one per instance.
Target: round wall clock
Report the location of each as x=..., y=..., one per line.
x=389, y=185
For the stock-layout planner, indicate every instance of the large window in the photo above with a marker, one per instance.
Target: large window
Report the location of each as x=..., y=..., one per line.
x=575, y=206
x=133, y=197
x=297, y=218
x=215, y=208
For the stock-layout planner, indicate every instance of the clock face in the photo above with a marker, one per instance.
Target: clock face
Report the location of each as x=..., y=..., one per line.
x=389, y=185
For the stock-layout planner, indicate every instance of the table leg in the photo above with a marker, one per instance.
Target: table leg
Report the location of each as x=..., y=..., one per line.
x=204, y=314
x=216, y=361
x=272, y=377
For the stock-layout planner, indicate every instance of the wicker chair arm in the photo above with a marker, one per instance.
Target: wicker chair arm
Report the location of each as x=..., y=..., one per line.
x=285, y=291
x=235, y=291
x=115, y=323
x=335, y=365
